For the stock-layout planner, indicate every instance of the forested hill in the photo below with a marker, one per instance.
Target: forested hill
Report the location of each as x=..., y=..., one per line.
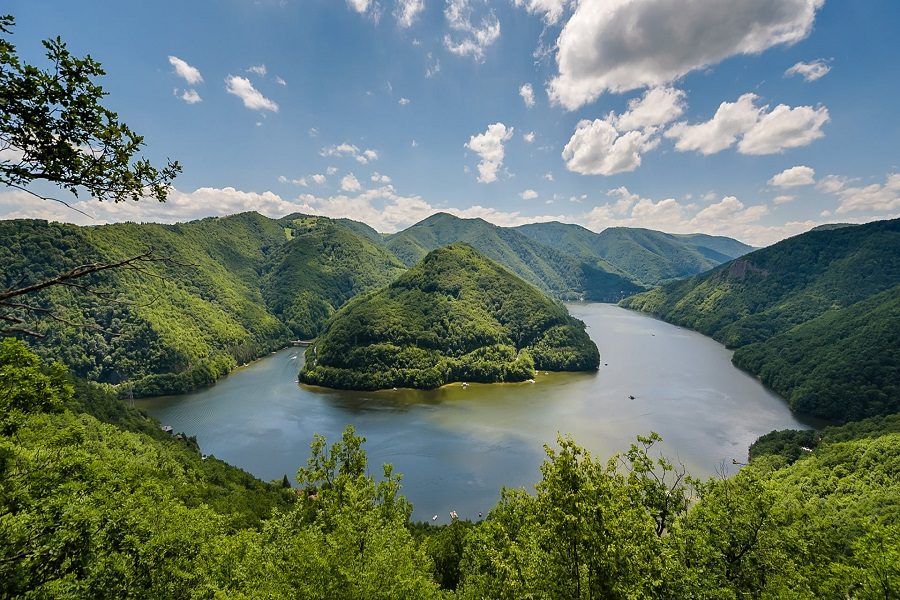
x=563, y=275
x=649, y=257
x=233, y=288
x=455, y=316
x=814, y=316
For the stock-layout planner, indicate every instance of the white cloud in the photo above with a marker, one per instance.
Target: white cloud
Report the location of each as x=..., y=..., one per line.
x=597, y=148
x=407, y=11
x=658, y=106
x=360, y=6
x=349, y=183
x=799, y=175
x=379, y=178
x=620, y=45
x=190, y=96
x=403, y=101
x=243, y=89
x=731, y=120
x=185, y=71
x=470, y=39
x=728, y=217
x=552, y=10
x=871, y=198
x=434, y=66
x=363, y=157
x=527, y=93
x=528, y=137
x=301, y=182
x=548, y=176
x=760, y=131
x=313, y=132
x=489, y=147
x=831, y=184
x=784, y=199
x=810, y=71
x=258, y=70
x=282, y=179
x=279, y=80
x=528, y=195
x=331, y=170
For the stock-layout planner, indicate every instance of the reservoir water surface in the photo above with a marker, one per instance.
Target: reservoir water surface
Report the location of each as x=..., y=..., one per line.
x=456, y=446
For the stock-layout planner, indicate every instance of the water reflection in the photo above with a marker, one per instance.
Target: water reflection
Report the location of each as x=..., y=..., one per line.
x=457, y=446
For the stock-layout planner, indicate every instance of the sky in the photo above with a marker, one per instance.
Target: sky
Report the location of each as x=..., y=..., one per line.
x=756, y=119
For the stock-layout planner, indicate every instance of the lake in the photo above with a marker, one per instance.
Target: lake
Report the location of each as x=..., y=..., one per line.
x=457, y=446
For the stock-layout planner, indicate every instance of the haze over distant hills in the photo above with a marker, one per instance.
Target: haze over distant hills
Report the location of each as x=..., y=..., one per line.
x=246, y=284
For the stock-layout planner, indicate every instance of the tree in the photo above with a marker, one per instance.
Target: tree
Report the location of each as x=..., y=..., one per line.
x=54, y=129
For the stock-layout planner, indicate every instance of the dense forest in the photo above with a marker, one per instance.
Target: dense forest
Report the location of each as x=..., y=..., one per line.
x=648, y=257
x=455, y=316
x=563, y=275
x=222, y=291
x=814, y=316
x=96, y=502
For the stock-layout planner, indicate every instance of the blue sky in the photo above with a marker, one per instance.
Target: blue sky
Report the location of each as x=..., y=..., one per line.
x=756, y=119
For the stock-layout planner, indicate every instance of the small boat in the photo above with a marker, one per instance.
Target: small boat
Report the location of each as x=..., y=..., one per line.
x=631, y=397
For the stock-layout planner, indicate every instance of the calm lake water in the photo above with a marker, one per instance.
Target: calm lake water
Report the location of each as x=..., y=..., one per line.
x=457, y=446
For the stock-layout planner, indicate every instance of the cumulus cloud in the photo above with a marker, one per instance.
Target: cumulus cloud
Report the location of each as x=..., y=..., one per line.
x=407, y=11
x=784, y=199
x=489, y=147
x=469, y=38
x=279, y=80
x=760, y=130
x=318, y=178
x=799, y=175
x=615, y=144
x=187, y=72
x=527, y=93
x=729, y=216
x=870, y=198
x=528, y=137
x=620, y=45
x=655, y=107
x=551, y=10
x=403, y=101
x=810, y=71
x=363, y=157
x=190, y=96
x=597, y=148
x=349, y=183
x=252, y=98
x=528, y=195
x=379, y=178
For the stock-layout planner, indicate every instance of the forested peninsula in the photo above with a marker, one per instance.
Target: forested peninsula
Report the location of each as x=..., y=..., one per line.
x=454, y=316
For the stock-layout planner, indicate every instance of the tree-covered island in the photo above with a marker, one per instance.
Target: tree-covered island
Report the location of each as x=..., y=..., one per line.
x=455, y=316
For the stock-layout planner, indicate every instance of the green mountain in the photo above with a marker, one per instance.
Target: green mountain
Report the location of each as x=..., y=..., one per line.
x=563, y=275
x=231, y=289
x=455, y=316
x=323, y=264
x=814, y=316
x=648, y=257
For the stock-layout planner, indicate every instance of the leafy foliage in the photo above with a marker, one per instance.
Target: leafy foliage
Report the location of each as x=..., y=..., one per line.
x=88, y=509
x=54, y=129
x=813, y=316
x=456, y=316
